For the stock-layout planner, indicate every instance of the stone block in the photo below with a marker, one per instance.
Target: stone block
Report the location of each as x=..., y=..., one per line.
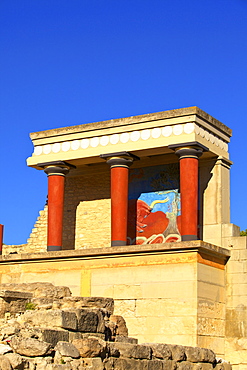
x=126, y=339
x=29, y=346
x=202, y=366
x=161, y=351
x=53, y=336
x=90, y=347
x=128, y=350
x=185, y=365
x=92, y=363
x=67, y=349
x=120, y=325
x=5, y=363
x=87, y=320
x=52, y=319
x=15, y=360
x=178, y=352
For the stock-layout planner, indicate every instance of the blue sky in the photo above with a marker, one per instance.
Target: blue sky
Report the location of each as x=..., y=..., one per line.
x=67, y=62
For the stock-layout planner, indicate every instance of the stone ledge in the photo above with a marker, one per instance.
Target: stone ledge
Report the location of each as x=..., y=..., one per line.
x=129, y=250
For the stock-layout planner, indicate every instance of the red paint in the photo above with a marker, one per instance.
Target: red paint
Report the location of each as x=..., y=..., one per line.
x=119, y=203
x=189, y=195
x=55, y=210
x=1, y=238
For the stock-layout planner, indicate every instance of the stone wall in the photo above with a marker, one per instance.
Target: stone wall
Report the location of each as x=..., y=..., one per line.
x=58, y=331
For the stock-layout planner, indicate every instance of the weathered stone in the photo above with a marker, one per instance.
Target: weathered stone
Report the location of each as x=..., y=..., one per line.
x=161, y=351
x=4, y=348
x=51, y=319
x=42, y=363
x=128, y=350
x=15, y=360
x=202, y=366
x=208, y=355
x=67, y=349
x=121, y=328
x=155, y=365
x=58, y=367
x=184, y=365
x=124, y=364
x=54, y=336
x=169, y=365
x=89, y=302
x=5, y=363
x=90, y=347
x=178, y=352
x=126, y=340
x=223, y=366
x=92, y=363
x=39, y=289
x=75, y=335
x=30, y=346
x=87, y=320
x=193, y=354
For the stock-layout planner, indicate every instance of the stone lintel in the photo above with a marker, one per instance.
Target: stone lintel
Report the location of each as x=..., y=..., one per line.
x=199, y=246
x=15, y=294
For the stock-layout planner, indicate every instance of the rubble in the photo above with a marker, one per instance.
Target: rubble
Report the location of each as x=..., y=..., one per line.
x=48, y=329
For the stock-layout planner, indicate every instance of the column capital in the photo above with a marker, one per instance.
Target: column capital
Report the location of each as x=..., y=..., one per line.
x=188, y=150
x=119, y=159
x=59, y=168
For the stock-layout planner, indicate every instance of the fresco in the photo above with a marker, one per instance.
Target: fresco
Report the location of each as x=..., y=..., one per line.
x=154, y=205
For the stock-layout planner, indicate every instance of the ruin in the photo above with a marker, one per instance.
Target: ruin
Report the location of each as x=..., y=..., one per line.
x=139, y=211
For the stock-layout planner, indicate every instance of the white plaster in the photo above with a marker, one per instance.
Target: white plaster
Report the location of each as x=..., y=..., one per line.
x=201, y=132
x=226, y=147
x=177, y=129
x=65, y=146
x=75, y=144
x=38, y=150
x=207, y=135
x=47, y=149
x=145, y=134
x=135, y=135
x=189, y=128
x=114, y=139
x=85, y=143
x=124, y=137
x=212, y=138
x=94, y=142
x=167, y=131
x=104, y=140
x=56, y=147
x=156, y=132
x=221, y=144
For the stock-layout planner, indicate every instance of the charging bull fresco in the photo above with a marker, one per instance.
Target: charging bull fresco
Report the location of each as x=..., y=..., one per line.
x=154, y=205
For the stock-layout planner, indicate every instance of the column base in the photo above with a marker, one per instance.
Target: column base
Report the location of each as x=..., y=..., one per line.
x=51, y=248
x=189, y=237
x=117, y=243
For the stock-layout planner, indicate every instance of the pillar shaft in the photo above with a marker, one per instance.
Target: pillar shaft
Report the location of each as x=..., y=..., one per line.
x=56, y=172
x=1, y=238
x=188, y=159
x=119, y=205
x=55, y=211
x=119, y=164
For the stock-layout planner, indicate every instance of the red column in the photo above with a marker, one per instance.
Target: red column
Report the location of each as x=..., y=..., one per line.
x=1, y=238
x=188, y=158
x=119, y=164
x=56, y=180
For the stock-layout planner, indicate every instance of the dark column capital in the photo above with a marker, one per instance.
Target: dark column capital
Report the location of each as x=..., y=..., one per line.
x=188, y=150
x=119, y=159
x=59, y=168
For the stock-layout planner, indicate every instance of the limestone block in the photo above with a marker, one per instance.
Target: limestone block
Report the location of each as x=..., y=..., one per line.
x=196, y=354
x=125, y=307
x=210, y=309
x=217, y=344
x=211, y=291
x=179, y=289
x=67, y=349
x=15, y=360
x=165, y=307
x=128, y=350
x=202, y=366
x=211, y=274
x=213, y=327
x=120, y=325
x=4, y=348
x=93, y=302
x=87, y=320
x=5, y=363
x=29, y=346
x=161, y=351
x=126, y=291
x=90, y=347
x=185, y=365
x=178, y=352
x=53, y=336
x=126, y=340
x=92, y=363
x=52, y=319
